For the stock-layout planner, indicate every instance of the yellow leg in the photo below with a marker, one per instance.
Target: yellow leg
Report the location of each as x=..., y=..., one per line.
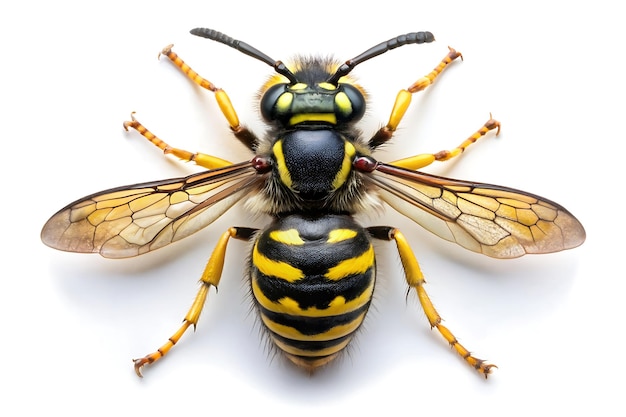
x=241, y=132
x=220, y=95
x=204, y=160
x=210, y=277
x=415, y=279
x=420, y=161
x=403, y=99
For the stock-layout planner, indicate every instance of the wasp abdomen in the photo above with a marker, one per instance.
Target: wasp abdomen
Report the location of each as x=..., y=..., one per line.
x=312, y=279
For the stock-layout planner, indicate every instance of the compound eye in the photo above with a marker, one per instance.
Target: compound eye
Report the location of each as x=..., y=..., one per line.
x=272, y=101
x=350, y=103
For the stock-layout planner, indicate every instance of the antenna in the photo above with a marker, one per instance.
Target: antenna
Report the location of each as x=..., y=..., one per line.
x=381, y=48
x=243, y=47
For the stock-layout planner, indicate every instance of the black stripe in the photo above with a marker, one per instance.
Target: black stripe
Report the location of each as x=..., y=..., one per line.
x=311, y=326
x=316, y=257
x=311, y=346
x=314, y=291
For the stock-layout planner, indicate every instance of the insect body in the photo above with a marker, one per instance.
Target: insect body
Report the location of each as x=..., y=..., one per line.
x=313, y=310
x=312, y=270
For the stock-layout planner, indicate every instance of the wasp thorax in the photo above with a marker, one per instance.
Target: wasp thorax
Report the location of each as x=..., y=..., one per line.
x=320, y=103
x=313, y=163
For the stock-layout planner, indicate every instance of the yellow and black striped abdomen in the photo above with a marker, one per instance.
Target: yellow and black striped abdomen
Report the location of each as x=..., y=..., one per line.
x=312, y=279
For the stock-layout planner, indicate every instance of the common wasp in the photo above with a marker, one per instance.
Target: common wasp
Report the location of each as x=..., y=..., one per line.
x=312, y=269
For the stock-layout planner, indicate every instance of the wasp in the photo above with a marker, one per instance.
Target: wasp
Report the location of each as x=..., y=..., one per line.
x=312, y=269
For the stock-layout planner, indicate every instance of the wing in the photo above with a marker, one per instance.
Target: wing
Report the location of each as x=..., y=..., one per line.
x=496, y=221
x=128, y=221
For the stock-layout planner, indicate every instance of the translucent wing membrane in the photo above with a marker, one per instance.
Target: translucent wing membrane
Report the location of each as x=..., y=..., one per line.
x=496, y=221
x=128, y=221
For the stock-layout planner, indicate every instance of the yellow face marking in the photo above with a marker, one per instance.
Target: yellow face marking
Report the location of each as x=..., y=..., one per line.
x=357, y=265
x=276, y=269
x=288, y=237
x=327, y=86
x=283, y=172
x=339, y=235
x=284, y=102
x=313, y=117
x=346, y=166
x=289, y=306
x=343, y=103
x=298, y=86
x=293, y=334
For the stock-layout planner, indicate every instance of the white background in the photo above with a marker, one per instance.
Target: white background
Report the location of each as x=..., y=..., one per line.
x=73, y=71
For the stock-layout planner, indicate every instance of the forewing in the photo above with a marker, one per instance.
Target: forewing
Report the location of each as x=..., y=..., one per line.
x=128, y=221
x=496, y=221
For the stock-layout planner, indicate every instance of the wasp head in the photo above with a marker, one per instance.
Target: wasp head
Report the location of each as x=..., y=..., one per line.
x=309, y=98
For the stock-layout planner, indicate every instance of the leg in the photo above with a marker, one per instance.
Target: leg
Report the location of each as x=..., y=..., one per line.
x=210, y=277
x=415, y=279
x=420, y=161
x=403, y=99
x=204, y=160
x=242, y=133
